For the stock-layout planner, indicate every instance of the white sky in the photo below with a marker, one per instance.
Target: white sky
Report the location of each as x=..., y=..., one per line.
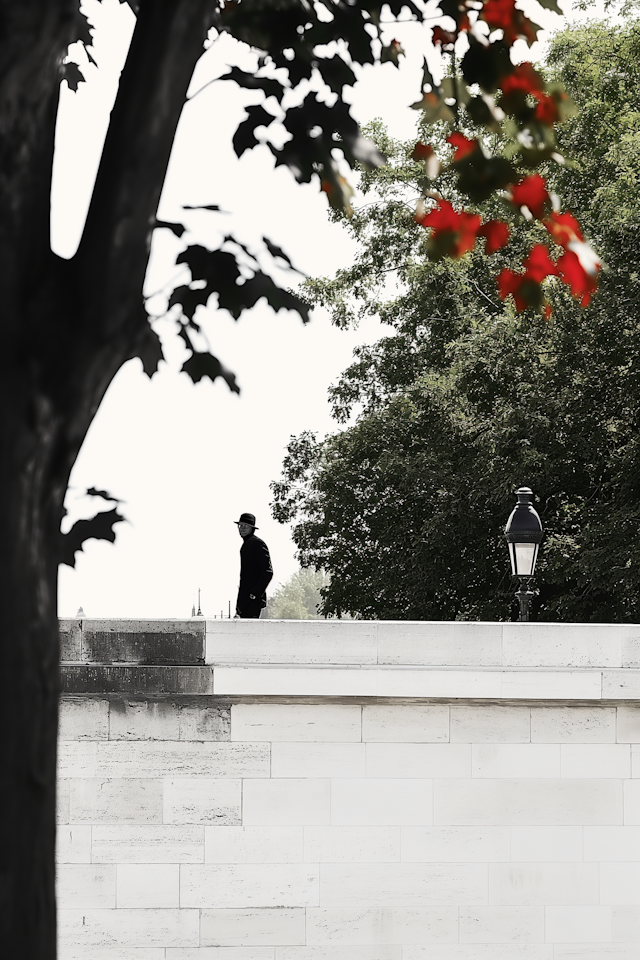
x=187, y=460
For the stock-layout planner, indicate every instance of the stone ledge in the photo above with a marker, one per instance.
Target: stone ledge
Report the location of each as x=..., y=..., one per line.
x=424, y=643
x=76, y=678
x=133, y=641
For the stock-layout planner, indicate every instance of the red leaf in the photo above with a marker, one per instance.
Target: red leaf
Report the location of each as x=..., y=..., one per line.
x=496, y=233
x=564, y=228
x=539, y=265
x=511, y=283
x=422, y=151
x=523, y=79
x=546, y=108
x=444, y=37
x=532, y=193
x=504, y=15
x=581, y=283
x=453, y=233
x=462, y=146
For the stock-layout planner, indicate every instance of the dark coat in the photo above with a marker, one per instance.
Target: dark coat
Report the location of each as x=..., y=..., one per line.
x=255, y=572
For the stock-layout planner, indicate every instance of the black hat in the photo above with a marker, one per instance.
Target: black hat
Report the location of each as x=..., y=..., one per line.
x=249, y=518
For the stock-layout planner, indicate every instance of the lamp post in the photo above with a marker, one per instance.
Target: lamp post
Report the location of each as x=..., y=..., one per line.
x=524, y=535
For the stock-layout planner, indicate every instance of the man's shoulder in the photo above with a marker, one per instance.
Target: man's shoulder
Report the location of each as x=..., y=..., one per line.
x=254, y=543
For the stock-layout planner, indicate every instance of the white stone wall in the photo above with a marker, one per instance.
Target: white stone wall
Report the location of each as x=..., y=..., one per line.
x=348, y=830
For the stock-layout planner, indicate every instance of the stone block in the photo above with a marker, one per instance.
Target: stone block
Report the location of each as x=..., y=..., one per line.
x=578, y=924
x=255, y=927
x=115, y=801
x=337, y=952
x=296, y=642
x=596, y=760
x=491, y=723
x=249, y=885
x=128, y=928
x=131, y=679
x=628, y=730
x=402, y=884
x=68, y=952
x=620, y=883
x=296, y=722
x=424, y=760
x=478, y=951
x=73, y=844
x=379, y=802
x=595, y=951
x=509, y=924
x=376, y=925
x=83, y=718
x=150, y=758
x=202, y=800
x=621, y=684
x=573, y=724
x=145, y=885
x=439, y=643
x=433, y=682
x=631, y=646
x=563, y=644
x=405, y=723
x=143, y=843
x=631, y=802
x=221, y=953
x=297, y=681
x=455, y=844
x=144, y=720
x=626, y=924
x=168, y=719
x=84, y=885
x=286, y=802
x=199, y=721
x=353, y=844
x=77, y=758
x=532, y=844
x=543, y=883
x=317, y=759
x=527, y=802
x=516, y=760
x=62, y=801
x=143, y=641
x=279, y=844
x=70, y=639
x=551, y=685
x=612, y=843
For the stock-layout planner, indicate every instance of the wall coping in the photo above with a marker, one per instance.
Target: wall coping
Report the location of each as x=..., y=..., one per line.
x=353, y=659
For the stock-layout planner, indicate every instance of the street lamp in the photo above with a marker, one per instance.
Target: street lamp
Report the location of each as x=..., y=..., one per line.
x=524, y=534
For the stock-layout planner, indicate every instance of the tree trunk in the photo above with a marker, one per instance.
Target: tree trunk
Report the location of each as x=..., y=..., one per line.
x=67, y=327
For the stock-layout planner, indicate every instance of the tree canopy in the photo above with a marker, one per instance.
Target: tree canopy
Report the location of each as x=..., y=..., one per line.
x=467, y=399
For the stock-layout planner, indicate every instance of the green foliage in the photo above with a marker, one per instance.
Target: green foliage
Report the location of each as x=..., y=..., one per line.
x=465, y=401
x=299, y=598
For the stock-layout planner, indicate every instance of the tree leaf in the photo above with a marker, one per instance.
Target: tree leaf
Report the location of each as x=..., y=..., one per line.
x=93, y=492
x=99, y=527
x=201, y=365
x=72, y=73
x=176, y=228
x=270, y=86
x=244, y=138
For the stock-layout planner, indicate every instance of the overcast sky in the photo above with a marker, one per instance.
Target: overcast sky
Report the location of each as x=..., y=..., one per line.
x=187, y=460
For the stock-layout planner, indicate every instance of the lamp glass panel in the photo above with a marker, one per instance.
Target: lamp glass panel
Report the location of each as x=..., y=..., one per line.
x=525, y=557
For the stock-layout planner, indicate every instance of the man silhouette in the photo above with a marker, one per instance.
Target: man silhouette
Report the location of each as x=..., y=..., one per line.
x=255, y=570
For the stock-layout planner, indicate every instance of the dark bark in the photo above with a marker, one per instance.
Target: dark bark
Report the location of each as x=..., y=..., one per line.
x=67, y=327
